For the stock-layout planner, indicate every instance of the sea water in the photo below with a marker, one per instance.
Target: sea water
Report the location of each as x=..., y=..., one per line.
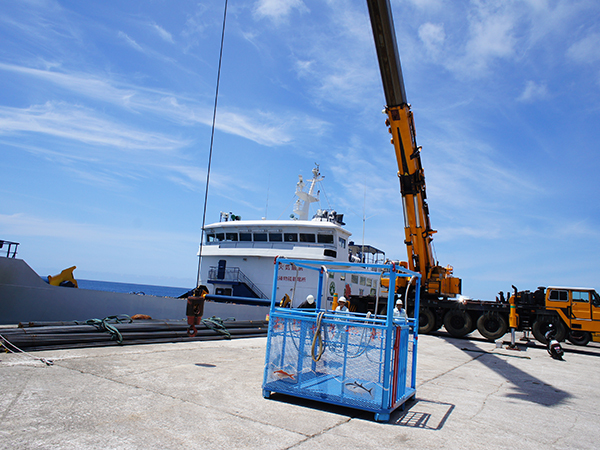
x=131, y=288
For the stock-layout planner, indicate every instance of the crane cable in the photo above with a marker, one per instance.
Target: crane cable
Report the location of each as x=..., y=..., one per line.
x=212, y=135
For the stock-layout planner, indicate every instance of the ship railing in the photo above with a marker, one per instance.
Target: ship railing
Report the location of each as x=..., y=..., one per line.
x=11, y=250
x=235, y=275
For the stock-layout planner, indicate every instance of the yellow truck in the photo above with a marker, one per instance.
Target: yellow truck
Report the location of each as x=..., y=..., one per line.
x=578, y=311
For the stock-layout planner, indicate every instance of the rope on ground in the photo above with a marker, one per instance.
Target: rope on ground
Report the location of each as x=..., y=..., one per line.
x=106, y=325
x=4, y=341
x=216, y=324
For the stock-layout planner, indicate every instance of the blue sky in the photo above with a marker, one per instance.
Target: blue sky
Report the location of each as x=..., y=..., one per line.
x=106, y=107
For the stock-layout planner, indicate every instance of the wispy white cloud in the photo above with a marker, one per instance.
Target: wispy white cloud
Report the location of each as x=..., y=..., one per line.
x=433, y=37
x=131, y=42
x=145, y=49
x=43, y=22
x=499, y=31
x=190, y=177
x=265, y=128
x=223, y=185
x=99, y=177
x=492, y=35
x=268, y=130
x=427, y=4
x=335, y=63
x=164, y=34
x=50, y=154
x=278, y=11
x=533, y=91
x=83, y=125
x=92, y=86
x=586, y=50
x=100, y=87
x=195, y=26
x=25, y=224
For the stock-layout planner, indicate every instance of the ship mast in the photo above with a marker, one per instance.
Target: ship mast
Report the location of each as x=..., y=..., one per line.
x=302, y=206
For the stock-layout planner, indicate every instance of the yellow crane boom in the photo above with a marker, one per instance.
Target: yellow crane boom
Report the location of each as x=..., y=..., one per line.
x=437, y=280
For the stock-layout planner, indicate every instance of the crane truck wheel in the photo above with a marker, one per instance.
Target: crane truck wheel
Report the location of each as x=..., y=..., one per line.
x=458, y=323
x=492, y=325
x=426, y=321
x=577, y=337
x=540, y=327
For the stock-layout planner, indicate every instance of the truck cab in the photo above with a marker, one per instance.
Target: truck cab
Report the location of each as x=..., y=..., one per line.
x=579, y=308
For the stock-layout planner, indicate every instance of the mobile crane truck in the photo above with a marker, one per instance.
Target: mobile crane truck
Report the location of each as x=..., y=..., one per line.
x=574, y=312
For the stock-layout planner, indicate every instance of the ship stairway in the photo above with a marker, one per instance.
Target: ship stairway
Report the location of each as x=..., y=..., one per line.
x=235, y=277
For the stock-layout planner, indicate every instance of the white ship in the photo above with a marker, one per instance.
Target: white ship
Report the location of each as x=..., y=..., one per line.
x=237, y=256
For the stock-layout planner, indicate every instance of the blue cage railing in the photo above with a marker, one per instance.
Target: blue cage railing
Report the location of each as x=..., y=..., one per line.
x=357, y=360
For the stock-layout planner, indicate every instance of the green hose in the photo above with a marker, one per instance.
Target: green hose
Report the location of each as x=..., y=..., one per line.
x=216, y=324
x=105, y=325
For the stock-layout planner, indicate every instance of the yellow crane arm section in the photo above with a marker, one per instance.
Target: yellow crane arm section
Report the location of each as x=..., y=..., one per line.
x=418, y=233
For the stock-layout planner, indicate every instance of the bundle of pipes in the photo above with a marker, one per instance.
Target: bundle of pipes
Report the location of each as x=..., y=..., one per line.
x=57, y=335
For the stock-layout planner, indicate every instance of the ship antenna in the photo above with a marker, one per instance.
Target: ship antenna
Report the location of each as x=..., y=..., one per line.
x=212, y=136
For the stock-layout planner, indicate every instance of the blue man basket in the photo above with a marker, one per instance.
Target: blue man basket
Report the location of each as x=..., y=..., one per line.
x=346, y=359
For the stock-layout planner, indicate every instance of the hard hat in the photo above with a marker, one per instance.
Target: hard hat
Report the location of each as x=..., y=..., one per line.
x=398, y=302
x=342, y=300
x=310, y=299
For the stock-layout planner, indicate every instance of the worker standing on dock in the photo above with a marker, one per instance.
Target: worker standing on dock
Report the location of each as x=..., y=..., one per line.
x=309, y=303
x=399, y=312
x=342, y=305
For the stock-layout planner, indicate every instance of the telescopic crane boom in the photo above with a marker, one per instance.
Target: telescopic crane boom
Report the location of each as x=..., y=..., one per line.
x=437, y=280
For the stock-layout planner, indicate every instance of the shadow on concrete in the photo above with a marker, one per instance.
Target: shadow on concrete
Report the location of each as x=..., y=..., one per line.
x=589, y=350
x=351, y=413
x=419, y=413
x=424, y=414
x=526, y=387
x=592, y=349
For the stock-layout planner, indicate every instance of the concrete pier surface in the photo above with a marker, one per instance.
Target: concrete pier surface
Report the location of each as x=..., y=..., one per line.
x=207, y=395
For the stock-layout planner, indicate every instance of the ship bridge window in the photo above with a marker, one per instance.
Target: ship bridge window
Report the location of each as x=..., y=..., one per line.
x=290, y=237
x=275, y=237
x=260, y=237
x=231, y=237
x=307, y=237
x=342, y=243
x=325, y=238
x=246, y=237
x=210, y=237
